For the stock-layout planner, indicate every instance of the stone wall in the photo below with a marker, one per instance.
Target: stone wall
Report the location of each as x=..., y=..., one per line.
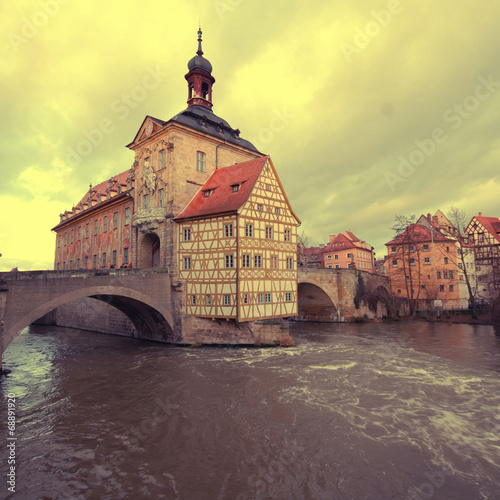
x=334, y=295
x=207, y=331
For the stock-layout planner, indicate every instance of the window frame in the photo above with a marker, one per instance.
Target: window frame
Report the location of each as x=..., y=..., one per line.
x=201, y=160
x=162, y=157
x=229, y=261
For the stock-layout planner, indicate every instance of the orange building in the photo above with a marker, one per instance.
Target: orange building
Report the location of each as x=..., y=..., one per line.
x=347, y=251
x=425, y=265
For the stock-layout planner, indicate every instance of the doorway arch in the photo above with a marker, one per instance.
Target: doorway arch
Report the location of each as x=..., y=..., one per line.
x=149, y=251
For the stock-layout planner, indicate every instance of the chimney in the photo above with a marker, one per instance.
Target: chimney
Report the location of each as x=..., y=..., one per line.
x=331, y=238
x=480, y=214
x=429, y=217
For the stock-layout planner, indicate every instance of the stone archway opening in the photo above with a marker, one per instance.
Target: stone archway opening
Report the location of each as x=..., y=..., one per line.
x=315, y=305
x=150, y=324
x=147, y=322
x=149, y=251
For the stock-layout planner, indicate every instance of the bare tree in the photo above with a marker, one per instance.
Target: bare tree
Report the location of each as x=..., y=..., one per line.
x=303, y=239
x=404, y=229
x=460, y=219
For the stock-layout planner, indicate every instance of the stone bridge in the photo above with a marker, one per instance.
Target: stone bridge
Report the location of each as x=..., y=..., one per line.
x=143, y=295
x=328, y=295
x=152, y=302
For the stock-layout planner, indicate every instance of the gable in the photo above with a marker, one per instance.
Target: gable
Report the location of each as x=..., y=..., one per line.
x=149, y=127
x=268, y=191
x=487, y=225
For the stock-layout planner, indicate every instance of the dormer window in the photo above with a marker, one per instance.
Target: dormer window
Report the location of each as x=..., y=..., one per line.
x=236, y=187
x=207, y=193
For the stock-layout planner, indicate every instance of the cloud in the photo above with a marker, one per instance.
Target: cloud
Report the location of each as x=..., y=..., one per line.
x=353, y=117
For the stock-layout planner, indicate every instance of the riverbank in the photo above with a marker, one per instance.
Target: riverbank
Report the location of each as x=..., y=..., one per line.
x=459, y=317
x=465, y=317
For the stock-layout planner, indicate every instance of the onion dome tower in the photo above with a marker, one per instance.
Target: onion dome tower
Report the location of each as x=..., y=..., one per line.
x=200, y=79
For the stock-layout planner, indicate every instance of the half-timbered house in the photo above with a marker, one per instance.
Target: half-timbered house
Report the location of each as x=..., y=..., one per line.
x=237, y=246
x=484, y=233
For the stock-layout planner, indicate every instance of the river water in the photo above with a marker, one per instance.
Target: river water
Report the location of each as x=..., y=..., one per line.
x=365, y=411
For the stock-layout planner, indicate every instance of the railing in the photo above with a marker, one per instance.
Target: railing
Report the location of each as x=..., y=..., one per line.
x=80, y=273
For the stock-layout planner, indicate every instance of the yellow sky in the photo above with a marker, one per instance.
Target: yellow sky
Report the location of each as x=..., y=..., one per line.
x=368, y=108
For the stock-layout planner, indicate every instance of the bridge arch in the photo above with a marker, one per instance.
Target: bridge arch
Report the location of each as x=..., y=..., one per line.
x=316, y=302
x=152, y=320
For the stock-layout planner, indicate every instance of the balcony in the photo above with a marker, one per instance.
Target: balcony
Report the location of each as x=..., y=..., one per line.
x=148, y=219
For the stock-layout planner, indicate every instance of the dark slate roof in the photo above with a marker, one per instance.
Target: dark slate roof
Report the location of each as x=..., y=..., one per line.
x=416, y=233
x=204, y=120
x=157, y=120
x=199, y=62
x=222, y=198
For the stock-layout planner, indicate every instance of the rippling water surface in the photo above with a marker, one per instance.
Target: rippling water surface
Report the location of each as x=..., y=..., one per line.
x=371, y=411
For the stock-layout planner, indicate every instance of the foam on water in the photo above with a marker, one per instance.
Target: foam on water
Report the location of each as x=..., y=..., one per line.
x=348, y=413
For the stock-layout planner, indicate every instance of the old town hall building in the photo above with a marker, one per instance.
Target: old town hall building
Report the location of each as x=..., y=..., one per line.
x=199, y=200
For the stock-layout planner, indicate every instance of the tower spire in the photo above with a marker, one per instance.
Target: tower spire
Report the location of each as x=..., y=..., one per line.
x=199, y=78
x=199, y=52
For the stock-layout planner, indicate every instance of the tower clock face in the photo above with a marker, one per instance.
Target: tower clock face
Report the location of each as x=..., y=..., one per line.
x=149, y=129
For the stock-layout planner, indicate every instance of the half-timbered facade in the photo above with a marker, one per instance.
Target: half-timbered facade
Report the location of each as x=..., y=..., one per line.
x=484, y=233
x=237, y=246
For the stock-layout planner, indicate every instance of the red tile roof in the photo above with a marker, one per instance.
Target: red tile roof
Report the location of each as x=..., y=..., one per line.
x=351, y=236
x=492, y=224
x=101, y=188
x=222, y=199
x=312, y=255
x=339, y=243
x=418, y=232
